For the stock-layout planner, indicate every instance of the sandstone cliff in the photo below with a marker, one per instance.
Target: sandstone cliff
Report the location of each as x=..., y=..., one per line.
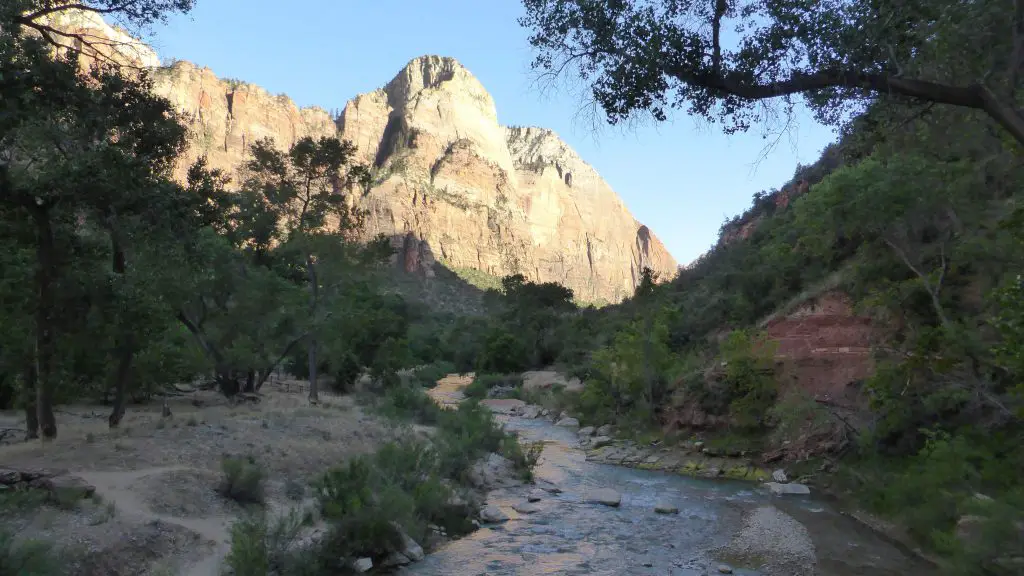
x=451, y=184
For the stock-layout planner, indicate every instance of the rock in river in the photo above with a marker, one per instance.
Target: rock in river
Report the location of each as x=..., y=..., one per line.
x=605, y=496
x=784, y=489
x=493, y=515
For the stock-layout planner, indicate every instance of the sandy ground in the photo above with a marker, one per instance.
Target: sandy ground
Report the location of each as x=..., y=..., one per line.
x=156, y=510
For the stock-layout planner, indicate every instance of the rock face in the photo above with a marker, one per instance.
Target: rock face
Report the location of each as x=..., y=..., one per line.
x=454, y=185
x=451, y=184
x=824, y=347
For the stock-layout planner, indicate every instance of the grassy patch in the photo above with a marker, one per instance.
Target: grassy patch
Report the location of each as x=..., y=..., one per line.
x=32, y=558
x=243, y=480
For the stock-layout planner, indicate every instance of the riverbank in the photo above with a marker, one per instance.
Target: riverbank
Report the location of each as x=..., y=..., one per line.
x=589, y=517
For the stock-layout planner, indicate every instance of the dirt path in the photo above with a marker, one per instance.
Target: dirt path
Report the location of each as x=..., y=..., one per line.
x=156, y=510
x=116, y=487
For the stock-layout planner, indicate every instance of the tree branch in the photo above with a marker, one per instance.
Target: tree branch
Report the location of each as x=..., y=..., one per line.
x=974, y=96
x=716, y=30
x=1017, y=58
x=933, y=291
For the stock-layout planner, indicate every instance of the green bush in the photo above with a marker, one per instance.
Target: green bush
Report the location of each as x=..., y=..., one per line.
x=243, y=480
x=401, y=485
x=464, y=435
x=408, y=402
x=427, y=376
x=261, y=546
x=27, y=558
x=483, y=383
x=503, y=352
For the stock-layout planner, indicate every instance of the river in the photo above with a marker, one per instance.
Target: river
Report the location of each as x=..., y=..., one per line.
x=723, y=524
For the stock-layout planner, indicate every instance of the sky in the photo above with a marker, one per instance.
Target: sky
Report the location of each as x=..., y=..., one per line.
x=682, y=177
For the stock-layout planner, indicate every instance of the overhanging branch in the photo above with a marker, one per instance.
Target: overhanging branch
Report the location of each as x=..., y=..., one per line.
x=975, y=96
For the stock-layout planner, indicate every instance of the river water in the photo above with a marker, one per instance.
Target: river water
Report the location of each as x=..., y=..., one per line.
x=566, y=535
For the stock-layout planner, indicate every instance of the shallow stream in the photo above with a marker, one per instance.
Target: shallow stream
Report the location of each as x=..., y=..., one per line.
x=717, y=520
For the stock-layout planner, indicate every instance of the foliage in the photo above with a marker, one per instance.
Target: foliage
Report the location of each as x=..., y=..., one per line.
x=428, y=376
x=482, y=384
x=26, y=558
x=408, y=402
x=653, y=55
x=748, y=377
x=369, y=499
x=262, y=545
x=243, y=480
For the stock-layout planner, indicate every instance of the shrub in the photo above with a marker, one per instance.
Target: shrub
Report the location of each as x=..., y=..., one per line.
x=243, y=480
x=31, y=558
x=502, y=352
x=407, y=402
x=427, y=376
x=523, y=460
x=464, y=435
x=262, y=546
x=369, y=497
x=483, y=383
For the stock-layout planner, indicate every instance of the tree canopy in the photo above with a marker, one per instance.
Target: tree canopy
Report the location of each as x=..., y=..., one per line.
x=723, y=59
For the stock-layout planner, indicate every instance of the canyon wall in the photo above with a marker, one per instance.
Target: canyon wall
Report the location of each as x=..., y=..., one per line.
x=451, y=184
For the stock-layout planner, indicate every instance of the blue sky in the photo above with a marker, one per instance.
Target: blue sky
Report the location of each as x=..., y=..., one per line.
x=682, y=178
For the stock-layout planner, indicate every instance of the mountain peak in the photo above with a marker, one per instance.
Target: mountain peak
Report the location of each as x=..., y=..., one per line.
x=430, y=73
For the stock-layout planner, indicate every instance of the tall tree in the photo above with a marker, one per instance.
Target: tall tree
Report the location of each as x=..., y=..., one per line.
x=71, y=145
x=724, y=58
x=306, y=189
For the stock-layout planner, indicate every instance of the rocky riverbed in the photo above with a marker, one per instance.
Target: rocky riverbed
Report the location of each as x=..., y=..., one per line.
x=584, y=516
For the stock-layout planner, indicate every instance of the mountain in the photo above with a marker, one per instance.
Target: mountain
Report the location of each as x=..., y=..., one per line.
x=451, y=184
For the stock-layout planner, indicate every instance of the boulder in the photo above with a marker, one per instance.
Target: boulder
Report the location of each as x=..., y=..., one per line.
x=723, y=569
x=530, y=412
x=780, y=476
x=492, y=515
x=65, y=487
x=535, y=495
x=410, y=549
x=666, y=508
x=605, y=496
x=395, y=559
x=526, y=508
x=9, y=477
x=567, y=422
x=585, y=432
x=362, y=565
x=605, y=430
x=792, y=488
x=492, y=471
x=599, y=442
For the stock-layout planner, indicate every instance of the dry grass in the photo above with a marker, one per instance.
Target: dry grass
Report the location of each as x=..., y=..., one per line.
x=157, y=477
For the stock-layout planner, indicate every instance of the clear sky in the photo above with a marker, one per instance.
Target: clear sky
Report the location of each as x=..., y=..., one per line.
x=682, y=178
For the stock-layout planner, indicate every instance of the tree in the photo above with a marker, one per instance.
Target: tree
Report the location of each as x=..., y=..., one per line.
x=305, y=194
x=651, y=55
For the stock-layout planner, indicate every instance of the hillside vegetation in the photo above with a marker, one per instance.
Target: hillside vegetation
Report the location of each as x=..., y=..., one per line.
x=119, y=283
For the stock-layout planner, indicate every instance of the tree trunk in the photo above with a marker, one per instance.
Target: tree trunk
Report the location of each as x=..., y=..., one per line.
x=314, y=294
x=126, y=353
x=125, y=346
x=250, y=382
x=28, y=392
x=648, y=368
x=46, y=261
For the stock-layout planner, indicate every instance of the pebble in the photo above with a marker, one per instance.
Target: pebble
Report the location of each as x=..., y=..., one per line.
x=723, y=569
